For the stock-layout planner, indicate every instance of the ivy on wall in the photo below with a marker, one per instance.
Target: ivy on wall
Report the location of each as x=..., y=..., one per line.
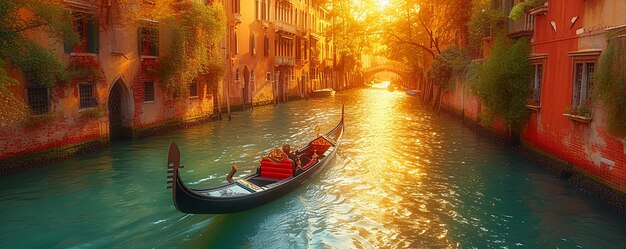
x=502, y=82
x=451, y=63
x=610, y=83
x=196, y=31
x=39, y=65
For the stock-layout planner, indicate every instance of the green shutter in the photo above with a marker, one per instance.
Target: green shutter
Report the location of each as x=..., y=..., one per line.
x=92, y=36
x=140, y=40
x=67, y=46
x=154, y=42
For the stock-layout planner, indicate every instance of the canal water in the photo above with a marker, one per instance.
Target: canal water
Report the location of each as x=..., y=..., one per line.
x=403, y=177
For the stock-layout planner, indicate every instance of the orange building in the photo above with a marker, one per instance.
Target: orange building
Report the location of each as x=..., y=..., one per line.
x=123, y=97
x=277, y=50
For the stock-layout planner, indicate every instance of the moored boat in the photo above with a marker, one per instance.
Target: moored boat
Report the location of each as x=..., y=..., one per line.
x=322, y=93
x=276, y=176
x=412, y=92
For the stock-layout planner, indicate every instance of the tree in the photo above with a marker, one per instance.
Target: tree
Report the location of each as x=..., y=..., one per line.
x=196, y=31
x=502, y=83
x=419, y=30
x=39, y=65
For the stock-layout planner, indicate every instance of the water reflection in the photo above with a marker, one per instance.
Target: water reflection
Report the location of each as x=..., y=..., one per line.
x=402, y=178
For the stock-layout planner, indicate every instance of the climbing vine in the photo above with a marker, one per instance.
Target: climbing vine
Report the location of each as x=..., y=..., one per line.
x=610, y=83
x=451, y=63
x=502, y=82
x=483, y=22
x=39, y=65
x=196, y=31
x=518, y=10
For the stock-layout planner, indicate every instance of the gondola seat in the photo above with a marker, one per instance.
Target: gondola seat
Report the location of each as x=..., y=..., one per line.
x=276, y=169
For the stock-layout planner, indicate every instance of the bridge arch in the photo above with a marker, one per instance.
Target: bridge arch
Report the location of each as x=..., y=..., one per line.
x=368, y=73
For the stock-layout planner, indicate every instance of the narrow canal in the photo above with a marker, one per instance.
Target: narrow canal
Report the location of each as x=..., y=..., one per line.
x=402, y=178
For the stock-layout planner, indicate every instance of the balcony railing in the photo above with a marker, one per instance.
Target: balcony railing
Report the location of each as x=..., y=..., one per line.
x=522, y=27
x=285, y=61
x=281, y=26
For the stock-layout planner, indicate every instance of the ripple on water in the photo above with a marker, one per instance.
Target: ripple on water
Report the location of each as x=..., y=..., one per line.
x=404, y=177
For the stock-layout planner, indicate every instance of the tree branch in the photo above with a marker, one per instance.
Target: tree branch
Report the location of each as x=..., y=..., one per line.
x=400, y=41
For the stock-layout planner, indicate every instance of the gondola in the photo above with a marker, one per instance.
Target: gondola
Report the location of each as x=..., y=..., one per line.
x=276, y=176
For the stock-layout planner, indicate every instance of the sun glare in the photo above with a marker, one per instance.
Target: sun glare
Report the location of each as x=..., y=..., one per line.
x=383, y=3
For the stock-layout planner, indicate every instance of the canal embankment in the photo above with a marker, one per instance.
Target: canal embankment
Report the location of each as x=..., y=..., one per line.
x=468, y=110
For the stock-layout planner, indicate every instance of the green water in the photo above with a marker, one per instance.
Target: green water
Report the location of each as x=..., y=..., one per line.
x=402, y=178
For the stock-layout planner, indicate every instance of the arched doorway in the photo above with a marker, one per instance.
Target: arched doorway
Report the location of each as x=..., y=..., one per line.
x=246, y=86
x=117, y=104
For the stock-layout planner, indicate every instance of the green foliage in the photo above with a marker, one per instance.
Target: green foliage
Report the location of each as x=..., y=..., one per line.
x=39, y=65
x=518, y=10
x=579, y=110
x=196, y=31
x=610, y=83
x=483, y=22
x=502, y=82
x=451, y=63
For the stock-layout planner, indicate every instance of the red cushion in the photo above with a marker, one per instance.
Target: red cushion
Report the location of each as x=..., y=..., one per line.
x=276, y=169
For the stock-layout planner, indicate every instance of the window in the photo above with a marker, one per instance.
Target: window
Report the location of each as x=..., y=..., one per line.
x=236, y=6
x=148, y=91
x=237, y=75
x=263, y=10
x=87, y=28
x=38, y=100
x=266, y=46
x=583, y=72
x=268, y=76
x=536, y=84
x=87, y=92
x=252, y=44
x=148, y=41
x=235, y=43
x=193, y=89
x=256, y=9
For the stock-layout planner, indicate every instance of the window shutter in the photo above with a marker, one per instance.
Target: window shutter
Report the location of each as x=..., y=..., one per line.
x=92, y=36
x=67, y=46
x=154, y=42
x=140, y=41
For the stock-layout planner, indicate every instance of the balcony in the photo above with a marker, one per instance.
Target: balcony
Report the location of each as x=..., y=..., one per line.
x=284, y=61
x=284, y=27
x=316, y=36
x=525, y=26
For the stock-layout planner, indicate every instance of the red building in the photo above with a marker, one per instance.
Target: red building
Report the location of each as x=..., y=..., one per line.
x=567, y=40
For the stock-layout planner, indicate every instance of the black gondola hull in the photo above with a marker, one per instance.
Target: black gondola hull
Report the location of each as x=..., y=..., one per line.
x=238, y=196
x=187, y=201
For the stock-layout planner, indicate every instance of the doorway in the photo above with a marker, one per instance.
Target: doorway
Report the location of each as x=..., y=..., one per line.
x=118, y=111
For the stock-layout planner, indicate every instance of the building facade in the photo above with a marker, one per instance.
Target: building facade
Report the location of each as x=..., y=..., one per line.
x=277, y=50
x=121, y=96
x=568, y=39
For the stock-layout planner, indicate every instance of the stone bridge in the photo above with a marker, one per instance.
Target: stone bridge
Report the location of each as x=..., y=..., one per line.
x=395, y=67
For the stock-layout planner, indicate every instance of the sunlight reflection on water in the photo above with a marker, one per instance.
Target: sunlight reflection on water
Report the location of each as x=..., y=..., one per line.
x=403, y=177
